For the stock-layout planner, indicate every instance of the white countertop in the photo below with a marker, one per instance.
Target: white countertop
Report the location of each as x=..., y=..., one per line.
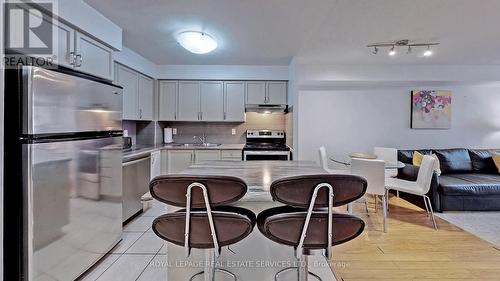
x=140, y=151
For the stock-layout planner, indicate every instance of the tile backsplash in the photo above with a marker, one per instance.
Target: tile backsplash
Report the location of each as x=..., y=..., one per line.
x=145, y=133
x=219, y=132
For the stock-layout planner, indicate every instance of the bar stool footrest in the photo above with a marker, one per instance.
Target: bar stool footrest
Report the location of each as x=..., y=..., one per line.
x=216, y=270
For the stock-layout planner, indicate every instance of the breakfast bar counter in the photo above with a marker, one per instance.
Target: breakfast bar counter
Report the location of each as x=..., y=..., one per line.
x=255, y=257
x=258, y=175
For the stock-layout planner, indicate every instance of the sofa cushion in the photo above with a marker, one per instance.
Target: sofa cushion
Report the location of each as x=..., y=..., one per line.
x=469, y=184
x=406, y=156
x=454, y=160
x=482, y=161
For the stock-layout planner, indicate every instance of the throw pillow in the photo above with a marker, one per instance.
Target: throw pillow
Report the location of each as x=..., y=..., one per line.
x=496, y=158
x=417, y=158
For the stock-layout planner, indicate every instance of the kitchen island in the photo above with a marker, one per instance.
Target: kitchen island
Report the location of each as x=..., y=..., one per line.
x=255, y=257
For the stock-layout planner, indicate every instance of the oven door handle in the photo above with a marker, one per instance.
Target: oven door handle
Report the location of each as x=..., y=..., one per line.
x=266, y=152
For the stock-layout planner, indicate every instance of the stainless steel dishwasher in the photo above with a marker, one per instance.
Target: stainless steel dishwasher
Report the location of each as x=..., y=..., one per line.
x=136, y=175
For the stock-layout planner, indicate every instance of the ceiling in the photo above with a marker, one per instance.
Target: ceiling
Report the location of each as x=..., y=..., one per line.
x=272, y=32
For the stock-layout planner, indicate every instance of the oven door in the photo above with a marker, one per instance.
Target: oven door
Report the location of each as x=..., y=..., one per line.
x=266, y=155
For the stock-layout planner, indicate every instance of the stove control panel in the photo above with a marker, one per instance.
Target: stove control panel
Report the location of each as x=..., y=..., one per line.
x=265, y=134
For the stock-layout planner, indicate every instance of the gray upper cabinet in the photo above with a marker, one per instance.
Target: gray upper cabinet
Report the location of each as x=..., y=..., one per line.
x=276, y=92
x=138, y=93
x=167, y=107
x=234, y=101
x=211, y=101
x=127, y=78
x=271, y=92
x=256, y=92
x=189, y=101
x=65, y=44
x=215, y=101
x=93, y=57
x=145, y=97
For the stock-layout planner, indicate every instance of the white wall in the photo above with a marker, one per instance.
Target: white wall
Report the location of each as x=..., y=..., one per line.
x=222, y=72
x=135, y=61
x=359, y=118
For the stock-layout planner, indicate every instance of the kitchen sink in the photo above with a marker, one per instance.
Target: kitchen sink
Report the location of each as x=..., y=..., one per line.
x=196, y=144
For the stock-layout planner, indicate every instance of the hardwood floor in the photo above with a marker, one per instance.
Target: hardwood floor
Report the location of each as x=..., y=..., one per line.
x=412, y=250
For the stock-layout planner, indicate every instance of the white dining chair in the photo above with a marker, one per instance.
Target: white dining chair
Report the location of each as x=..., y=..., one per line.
x=323, y=162
x=390, y=156
x=374, y=173
x=419, y=187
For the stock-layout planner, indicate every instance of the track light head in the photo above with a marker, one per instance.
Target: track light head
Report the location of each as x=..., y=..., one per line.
x=409, y=50
x=428, y=52
x=392, y=52
x=375, y=50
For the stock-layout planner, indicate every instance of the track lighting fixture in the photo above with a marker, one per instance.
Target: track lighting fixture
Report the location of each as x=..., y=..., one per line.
x=403, y=43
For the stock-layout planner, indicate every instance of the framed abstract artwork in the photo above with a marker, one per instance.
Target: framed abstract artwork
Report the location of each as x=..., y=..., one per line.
x=430, y=109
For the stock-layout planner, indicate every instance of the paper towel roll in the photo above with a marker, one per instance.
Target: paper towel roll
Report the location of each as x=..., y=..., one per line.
x=167, y=135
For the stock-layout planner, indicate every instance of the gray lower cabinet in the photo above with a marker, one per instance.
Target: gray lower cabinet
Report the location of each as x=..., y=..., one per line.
x=179, y=160
x=175, y=161
x=234, y=101
x=205, y=155
x=189, y=101
x=231, y=155
x=167, y=99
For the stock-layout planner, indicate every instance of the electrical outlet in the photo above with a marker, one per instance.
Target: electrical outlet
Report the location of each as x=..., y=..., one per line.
x=174, y=131
x=233, y=132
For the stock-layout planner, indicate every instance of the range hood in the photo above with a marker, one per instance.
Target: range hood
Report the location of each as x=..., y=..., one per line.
x=266, y=108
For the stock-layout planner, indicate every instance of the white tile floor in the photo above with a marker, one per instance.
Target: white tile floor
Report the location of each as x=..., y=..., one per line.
x=137, y=256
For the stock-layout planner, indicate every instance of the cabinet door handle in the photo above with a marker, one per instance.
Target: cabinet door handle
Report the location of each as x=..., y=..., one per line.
x=175, y=115
x=72, y=58
x=224, y=115
x=140, y=113
x=78, y=60
x=201, y=115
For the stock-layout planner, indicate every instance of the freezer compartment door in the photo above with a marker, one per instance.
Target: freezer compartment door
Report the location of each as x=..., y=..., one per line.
x=74, y=205
x=61, y=103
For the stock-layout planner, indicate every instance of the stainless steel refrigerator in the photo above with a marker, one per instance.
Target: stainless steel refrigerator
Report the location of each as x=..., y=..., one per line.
x=63, y=172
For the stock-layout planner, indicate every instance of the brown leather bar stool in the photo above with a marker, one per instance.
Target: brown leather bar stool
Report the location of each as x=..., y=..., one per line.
x=205, y=223
x=307, y=222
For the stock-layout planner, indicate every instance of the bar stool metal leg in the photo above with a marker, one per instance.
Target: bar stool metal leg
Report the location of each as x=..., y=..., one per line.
x=210, y=269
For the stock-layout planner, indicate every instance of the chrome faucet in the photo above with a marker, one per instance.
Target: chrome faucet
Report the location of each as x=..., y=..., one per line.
x=202, y=139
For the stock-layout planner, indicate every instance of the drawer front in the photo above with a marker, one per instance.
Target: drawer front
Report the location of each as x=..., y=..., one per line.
x=231, y=154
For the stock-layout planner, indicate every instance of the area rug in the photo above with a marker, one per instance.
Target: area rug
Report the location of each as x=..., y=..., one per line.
x=485, y=225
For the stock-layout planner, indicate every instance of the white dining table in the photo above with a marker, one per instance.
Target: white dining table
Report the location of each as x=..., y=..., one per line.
x=388, y=166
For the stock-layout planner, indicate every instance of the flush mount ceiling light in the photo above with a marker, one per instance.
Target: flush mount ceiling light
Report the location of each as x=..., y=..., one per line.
x=197, y=42
x=403, y=43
